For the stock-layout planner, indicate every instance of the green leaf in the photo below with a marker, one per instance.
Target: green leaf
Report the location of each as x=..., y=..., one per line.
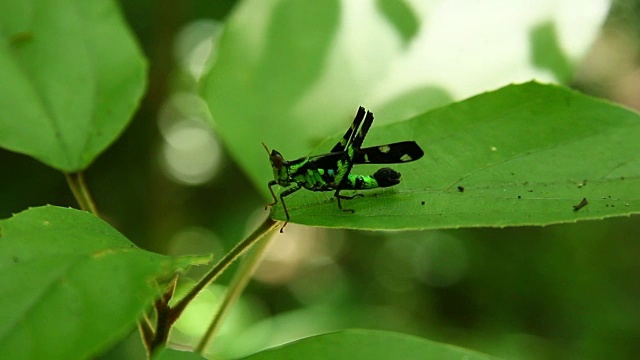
x=71, y=76
x=523, y=155
x=366, y=344
x=71, y=284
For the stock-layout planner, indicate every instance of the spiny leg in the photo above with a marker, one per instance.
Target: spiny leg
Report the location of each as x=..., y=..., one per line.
x=275, y=200
x=348, y=136
x=345, y=163
x=348, y=161
x=362, y=133
x=287, y=192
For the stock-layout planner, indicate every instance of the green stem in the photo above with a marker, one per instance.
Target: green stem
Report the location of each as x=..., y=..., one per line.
x=81, y=192
x=168, y=316
x=235, y=288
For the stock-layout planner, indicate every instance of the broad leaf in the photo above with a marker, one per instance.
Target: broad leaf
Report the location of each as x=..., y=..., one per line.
x=522, y=155
x=369, y=345
x=71, y=284
x=71, y=76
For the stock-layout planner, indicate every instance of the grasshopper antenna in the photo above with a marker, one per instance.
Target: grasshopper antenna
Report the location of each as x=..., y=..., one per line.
x=266, y=148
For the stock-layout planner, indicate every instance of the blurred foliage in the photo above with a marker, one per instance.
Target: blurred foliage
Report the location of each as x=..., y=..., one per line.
x=367, y=344
x=562, y=291
x=547, y=53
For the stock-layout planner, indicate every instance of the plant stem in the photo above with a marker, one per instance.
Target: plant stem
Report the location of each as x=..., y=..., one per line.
x=146, y=334
x=81, y=192
x=167, y=316
x=235, y=288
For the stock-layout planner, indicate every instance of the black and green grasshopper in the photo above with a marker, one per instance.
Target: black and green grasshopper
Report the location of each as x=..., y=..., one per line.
x=332, y=171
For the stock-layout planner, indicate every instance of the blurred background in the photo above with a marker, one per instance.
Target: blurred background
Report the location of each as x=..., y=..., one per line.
x=171, y=185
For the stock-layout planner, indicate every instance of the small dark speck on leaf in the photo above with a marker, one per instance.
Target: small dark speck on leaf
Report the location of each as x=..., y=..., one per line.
x=530, y=190
x=582, y=204
x=461, y=188
x=519, y=197
x=421, y=202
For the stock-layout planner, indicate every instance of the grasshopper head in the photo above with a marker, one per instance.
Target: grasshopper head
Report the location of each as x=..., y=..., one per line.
x=278, y=165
